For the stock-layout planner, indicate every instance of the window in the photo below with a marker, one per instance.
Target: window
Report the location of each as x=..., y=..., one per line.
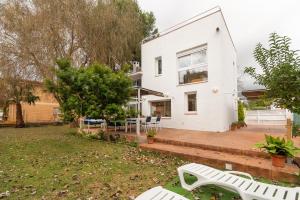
x=158, y=66
x=192, y=66
x=161, y=108
x=191, y=102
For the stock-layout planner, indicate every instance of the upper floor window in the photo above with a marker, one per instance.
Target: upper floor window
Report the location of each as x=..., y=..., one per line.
x=158, y=66
x=192, y=65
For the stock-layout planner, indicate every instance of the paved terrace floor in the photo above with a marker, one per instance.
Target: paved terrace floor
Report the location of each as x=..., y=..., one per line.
x=243, y=138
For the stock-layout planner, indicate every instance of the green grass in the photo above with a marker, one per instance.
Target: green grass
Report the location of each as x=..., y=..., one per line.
x=52, y=162
x=205, y=192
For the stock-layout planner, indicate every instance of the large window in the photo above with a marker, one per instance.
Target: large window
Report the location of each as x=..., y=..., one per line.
x=158, y=66
x=161, y=108
x=192, y=66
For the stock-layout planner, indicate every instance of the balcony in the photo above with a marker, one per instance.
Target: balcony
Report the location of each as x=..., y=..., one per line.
x=135, y=72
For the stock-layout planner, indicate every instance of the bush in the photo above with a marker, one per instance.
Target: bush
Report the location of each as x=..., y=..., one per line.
x=278, y=146
x=241, y=113
x=151, y=133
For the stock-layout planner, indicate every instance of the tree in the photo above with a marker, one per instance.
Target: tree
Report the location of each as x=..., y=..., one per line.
x=280, y=72
x=94, y=91
x=37, y=33
x=17, y=91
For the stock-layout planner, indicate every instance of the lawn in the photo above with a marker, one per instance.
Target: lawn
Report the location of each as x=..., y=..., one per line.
x=53, y=163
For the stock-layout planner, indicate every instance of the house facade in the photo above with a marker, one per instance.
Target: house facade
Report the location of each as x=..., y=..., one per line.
x=45, y=110
x=194, y=65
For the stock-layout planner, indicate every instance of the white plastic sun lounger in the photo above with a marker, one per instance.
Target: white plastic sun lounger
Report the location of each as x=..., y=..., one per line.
x=248, y=189
x=159, y=193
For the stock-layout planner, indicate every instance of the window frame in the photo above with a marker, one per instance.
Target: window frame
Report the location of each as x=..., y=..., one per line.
x=158, y=101
x=194, y=112
x=203, y=66
x=157, y=59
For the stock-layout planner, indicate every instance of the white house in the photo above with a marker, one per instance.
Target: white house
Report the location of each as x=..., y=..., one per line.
x=194, y=65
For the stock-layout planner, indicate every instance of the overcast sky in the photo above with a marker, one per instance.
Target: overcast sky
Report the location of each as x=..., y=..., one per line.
x=249, y=21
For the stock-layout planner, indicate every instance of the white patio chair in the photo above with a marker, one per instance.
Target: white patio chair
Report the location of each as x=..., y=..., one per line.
x=248, y=189
x=159, y=193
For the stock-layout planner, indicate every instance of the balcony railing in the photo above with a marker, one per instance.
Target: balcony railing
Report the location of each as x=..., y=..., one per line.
x=135, y=70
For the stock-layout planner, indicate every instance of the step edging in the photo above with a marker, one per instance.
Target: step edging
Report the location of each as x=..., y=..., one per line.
x=254, y=170
x=214, y=148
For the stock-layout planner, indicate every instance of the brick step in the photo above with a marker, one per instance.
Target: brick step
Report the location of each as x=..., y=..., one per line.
x=256, y=166
x=245, y=152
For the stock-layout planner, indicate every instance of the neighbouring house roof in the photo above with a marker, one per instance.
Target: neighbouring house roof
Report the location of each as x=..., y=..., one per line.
x=188, y=22
x=253, y=94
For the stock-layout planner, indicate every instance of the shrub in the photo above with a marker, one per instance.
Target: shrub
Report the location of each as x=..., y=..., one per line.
x=278, y=146
x=241, y=112
x=151, y=133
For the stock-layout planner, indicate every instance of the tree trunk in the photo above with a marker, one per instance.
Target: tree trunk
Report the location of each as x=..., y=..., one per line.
x=19, y=116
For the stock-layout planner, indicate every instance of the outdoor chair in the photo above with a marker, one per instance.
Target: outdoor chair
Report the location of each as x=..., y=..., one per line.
x=157, y=123
x=147, y=124
x=248, y=189
x=159, y=193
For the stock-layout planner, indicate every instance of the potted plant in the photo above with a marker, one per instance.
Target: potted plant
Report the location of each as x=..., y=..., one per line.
x=233, y=126
x=241, y=124
x=279, y=149
x=150, y=136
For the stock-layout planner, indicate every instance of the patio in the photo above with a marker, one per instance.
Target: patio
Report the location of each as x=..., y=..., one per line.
x=241, y=139
x=230, y=150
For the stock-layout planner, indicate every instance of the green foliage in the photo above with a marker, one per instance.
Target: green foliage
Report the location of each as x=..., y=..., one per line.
x=296, y=130
x=95, y=91
x=151, y=133
x=234, y=124
x=281, y=72
x=278, y=146
x=241, y=112
x=260, y=104
x=131, y=113
x=114, y=112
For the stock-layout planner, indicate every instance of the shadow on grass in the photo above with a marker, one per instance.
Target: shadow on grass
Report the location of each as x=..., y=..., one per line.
x=204, y=193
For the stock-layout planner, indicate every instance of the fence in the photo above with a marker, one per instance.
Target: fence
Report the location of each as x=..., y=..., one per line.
x=266, y=117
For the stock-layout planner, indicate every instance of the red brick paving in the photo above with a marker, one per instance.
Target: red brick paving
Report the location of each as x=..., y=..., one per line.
x=242, y=139
x=234, y=147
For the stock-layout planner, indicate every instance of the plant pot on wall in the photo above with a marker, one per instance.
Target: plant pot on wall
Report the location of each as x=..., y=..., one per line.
x=278, y=160
x=150, y=140
x=150, y=136
x=233, y=126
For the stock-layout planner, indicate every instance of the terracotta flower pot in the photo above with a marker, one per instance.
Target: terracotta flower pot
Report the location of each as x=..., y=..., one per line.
x=278, y=160
x=150, y=140
x=233, y=127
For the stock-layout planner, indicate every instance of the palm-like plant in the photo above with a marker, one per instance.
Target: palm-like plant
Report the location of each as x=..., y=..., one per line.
x=279, y=146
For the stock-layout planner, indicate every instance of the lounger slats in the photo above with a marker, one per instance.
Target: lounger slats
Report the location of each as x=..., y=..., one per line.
x=158, y=193
x=248, y=188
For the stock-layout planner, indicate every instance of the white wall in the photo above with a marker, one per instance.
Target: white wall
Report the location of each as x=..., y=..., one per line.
x=215, y=111
x=267, y=117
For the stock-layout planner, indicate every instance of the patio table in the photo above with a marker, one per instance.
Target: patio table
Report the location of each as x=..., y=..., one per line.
x=115, y=122
x=90, y=122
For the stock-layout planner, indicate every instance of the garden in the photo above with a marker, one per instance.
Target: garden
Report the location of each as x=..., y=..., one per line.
x=53, y=162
